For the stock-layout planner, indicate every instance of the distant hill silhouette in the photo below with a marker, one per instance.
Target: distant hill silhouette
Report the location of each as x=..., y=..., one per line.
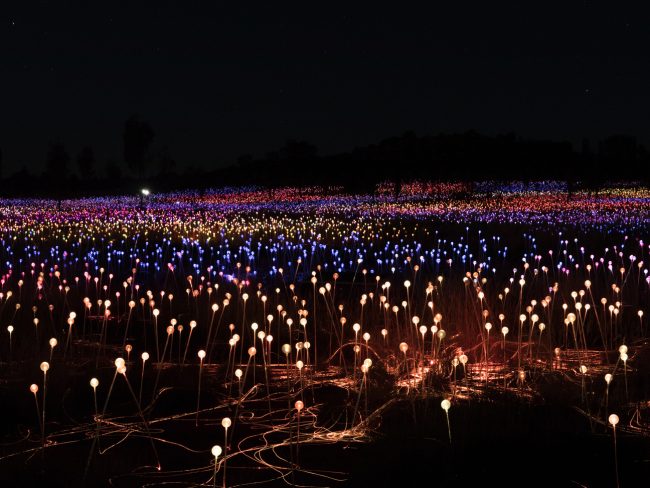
x=467, y=156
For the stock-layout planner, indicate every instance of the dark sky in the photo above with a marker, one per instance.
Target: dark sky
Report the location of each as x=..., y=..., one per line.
x=219, y=79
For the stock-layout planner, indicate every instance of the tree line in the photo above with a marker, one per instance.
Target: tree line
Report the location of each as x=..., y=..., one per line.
x=468, y=156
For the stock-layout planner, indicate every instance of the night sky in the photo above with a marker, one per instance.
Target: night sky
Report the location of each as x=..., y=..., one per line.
x=219, y=79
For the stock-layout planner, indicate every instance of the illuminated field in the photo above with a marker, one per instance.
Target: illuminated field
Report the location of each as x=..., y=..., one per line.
x=311, y=320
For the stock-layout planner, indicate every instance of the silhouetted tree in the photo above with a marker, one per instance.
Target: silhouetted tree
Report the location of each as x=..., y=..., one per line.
x=166, y=163
x=137, y=138
x=56, y=170
x=56, y=163
x=86, y=163
x=245, y=160
x=113, y=172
